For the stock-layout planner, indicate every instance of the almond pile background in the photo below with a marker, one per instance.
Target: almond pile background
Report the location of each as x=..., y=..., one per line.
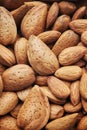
x=43, y=65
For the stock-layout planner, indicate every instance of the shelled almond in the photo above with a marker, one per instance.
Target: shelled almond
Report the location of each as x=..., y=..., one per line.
x=43, y=65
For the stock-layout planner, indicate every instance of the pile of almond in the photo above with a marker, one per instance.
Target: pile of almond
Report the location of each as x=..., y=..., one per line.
x=43, y=65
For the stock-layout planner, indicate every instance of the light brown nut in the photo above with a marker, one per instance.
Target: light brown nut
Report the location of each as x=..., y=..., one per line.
x=67, y=7
x=82, y=125
x=75, y=93
x=20, y=49
x=15, y=111
x=62, y=22
x=71, y=55
x=63, y=123
x=34, y=21
x=52, y=14
x=56, y=111
x=8, y=101
x=84, y=38
x=58, y=88
x=64, y=41
x=41, y=80
x=49, y=36
x=19, y=13
x=30, y=4
x=8, y=123
x=7, y=57
x=18, y=77
x=85, y=57
x=84, y=104
x=8, y=30
x=79, y=13
x=41, y=58
x=51, y=97
x=2, y=69
x=69, y=108
x=35, y=111
x=69, y=73
x=83, y=86
x=79, y=25
x=1, y=85
x=22, y=94
x=68, y=83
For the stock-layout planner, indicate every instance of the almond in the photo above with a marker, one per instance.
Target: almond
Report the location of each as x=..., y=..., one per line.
x=18, y=77
x=63, y=123
x=82, y=124
x=56, y=111
x=62, y=22
x=34, y=21
x=7, y=57
x=41, y=80
x=75, y=93
x=8, y=123
x=52, y=14
x=15, y=111
x=20, y=49
x=58, y=88
x=8, y=101
x=67, y=7
x=51, y=97
x=84, y=38
x=79, y=13
x=83, y=86
x=69, y=108
x=34, y=113
x=84, y=104
x=41, y=58
x=79, y=25
x=2, y=69
x=1, y=85
x=80, y=63
x=8, y=30
x=30, y=4
x=69, y=73
x=49, y=37
x=64, y=41
x=71, y=55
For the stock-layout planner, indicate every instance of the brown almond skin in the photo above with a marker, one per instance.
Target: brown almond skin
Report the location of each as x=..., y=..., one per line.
x=15, y=111
x=71, y=55
x=78, y=25
x=8, y=29
x=79, y=13
x=69, y=108
x=52, y=14
x=82, y=125
x=7, y=57
x=34, y=113
x=20, y=49
x=41, y=80
x=22, y=94
x=69, y=73
x=1, y=85
x=58, y=88
x=62, y=22
x=83, y=86
x=49, y=37
x=57, y=111
x=8, y=123
x=8, y=101
x=41, y=58
x=34, y=21
x=64, y=41
x=19, y=13
x=84, y=38
x=2, y=69
x=84, y=104
x=18, y=77
x=63, y=123
x=75, y=93
x=80, y=63
x=67, y=8
x=51, y=97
